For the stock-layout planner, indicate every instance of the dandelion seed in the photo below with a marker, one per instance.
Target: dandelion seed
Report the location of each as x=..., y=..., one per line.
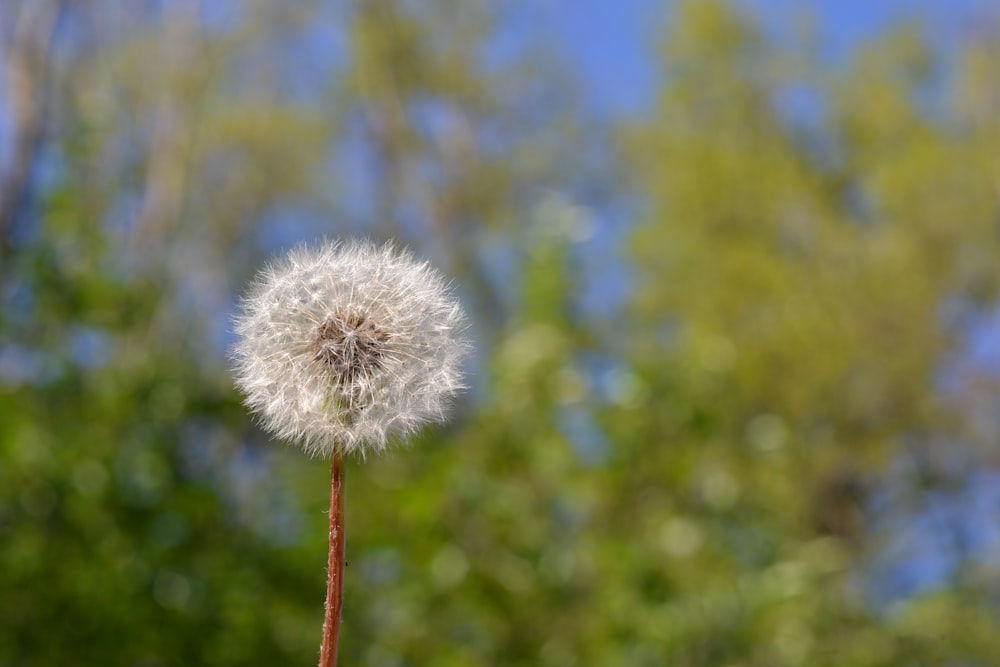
x=348, y=345
x=341, y=349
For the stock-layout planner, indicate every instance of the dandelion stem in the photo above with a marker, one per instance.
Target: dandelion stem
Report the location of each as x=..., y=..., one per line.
x=335, y=565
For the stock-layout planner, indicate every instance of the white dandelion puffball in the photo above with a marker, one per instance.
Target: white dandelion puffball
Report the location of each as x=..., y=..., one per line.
x=344, y=346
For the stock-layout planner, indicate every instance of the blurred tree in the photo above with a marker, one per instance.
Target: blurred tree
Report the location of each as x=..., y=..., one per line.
x=26, y=38
x=804, y=285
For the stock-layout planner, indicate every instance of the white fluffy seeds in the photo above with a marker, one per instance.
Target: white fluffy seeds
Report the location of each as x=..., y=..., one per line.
x=347, y=345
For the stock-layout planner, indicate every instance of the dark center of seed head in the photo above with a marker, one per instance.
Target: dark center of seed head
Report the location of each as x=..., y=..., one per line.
x=351, y=344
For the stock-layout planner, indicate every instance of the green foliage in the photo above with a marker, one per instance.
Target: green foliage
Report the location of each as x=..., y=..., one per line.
x=793, y=286
x=714, y=475
x=119, y=547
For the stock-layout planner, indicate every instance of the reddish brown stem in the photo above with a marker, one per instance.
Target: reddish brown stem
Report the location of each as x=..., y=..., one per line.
x=335, y=566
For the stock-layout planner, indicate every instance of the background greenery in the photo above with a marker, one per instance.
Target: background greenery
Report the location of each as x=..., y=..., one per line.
x=735, y=402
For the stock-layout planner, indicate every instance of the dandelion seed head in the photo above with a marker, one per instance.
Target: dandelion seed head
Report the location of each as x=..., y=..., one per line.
x=349, y=346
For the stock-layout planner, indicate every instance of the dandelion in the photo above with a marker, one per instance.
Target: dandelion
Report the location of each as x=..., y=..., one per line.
x=342, y=350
